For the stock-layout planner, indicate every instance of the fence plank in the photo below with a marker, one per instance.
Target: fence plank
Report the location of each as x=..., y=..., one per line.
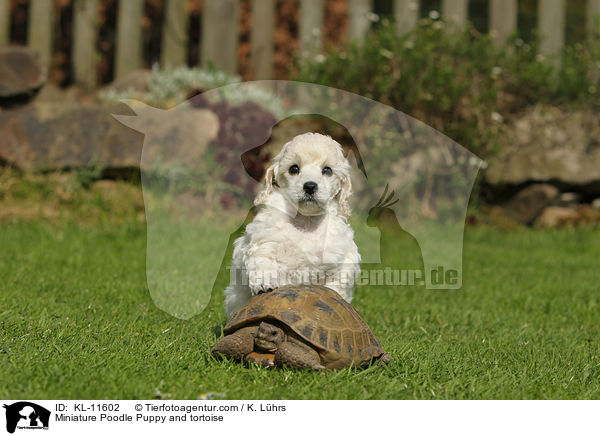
x=406, y=13
x=261, y=38
x=175, y=33
x=129, y=36
x=4, y=22
x=84, y=42
x=39, y=28
x=503, y=19
x=593, y=15
x=312, y=13
x=358, y=19
x=220, y=20
x=455, y=10
x=551, y=26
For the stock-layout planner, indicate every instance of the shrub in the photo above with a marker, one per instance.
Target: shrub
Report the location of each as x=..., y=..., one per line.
x=456, y=79
x=171, y=86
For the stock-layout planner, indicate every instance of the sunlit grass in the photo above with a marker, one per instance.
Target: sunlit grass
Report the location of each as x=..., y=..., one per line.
x=77, y=321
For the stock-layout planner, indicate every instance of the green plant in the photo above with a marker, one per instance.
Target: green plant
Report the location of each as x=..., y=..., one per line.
x=579, y=78
x=456, y=79
x=425, y=73
x=85, y=176
x=170, y=86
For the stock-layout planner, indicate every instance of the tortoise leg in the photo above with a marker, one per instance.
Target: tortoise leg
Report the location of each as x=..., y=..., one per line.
x=236, y=345
x=298, y=355
x=266, y=360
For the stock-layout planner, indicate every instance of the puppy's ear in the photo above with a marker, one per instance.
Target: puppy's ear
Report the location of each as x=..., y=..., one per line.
x=344, y=195
x=270, y=177
x=268, y=188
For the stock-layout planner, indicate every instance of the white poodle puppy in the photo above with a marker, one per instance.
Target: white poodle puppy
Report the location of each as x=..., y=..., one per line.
x=300, y=233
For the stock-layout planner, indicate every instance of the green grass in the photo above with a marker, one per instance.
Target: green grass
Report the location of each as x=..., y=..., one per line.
x=77, y=321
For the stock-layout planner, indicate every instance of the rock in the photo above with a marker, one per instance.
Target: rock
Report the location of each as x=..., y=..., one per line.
x=52, y=93
x=588, y=214
x=21, y=75
x=554, y=216
x=136, y=81
x=59, y=135
x=528, y=203
x=549, y=144
x=72, y=135
x=173, y=137
x=596, y=203
x=567, y=199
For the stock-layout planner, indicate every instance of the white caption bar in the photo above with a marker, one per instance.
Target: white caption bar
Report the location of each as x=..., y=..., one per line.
x=22, y=417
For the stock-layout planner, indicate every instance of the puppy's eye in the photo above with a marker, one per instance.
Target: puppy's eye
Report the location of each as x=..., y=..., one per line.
x=327, y=171
x=294, y=169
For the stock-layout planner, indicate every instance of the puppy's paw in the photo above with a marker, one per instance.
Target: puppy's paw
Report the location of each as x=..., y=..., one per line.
x=262, y=281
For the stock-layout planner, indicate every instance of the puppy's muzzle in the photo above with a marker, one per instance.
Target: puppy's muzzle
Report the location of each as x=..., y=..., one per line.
x=310, y=187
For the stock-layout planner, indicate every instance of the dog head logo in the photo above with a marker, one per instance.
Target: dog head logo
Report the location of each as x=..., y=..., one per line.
x=26, y=415
x=407, y=180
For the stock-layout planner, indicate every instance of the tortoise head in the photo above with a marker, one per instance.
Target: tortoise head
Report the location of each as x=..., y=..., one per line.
x=269, y=337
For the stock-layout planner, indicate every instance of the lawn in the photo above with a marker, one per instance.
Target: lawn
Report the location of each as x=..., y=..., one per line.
x=77, y=321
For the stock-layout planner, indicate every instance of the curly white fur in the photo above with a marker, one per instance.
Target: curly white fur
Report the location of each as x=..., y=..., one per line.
x=297, y=237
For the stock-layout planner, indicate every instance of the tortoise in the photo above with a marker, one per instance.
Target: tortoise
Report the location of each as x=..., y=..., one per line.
x=300, y=326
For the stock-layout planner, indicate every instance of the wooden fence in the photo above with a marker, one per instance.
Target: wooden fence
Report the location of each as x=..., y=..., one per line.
x=219, y=37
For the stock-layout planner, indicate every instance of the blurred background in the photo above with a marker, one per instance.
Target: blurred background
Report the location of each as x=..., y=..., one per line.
x=119, y=36
x=515, y=82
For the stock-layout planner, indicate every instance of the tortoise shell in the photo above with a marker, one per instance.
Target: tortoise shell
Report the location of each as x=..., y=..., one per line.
x=319, y=316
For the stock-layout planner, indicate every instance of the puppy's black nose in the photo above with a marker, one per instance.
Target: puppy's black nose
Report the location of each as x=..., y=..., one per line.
x=310, y=187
